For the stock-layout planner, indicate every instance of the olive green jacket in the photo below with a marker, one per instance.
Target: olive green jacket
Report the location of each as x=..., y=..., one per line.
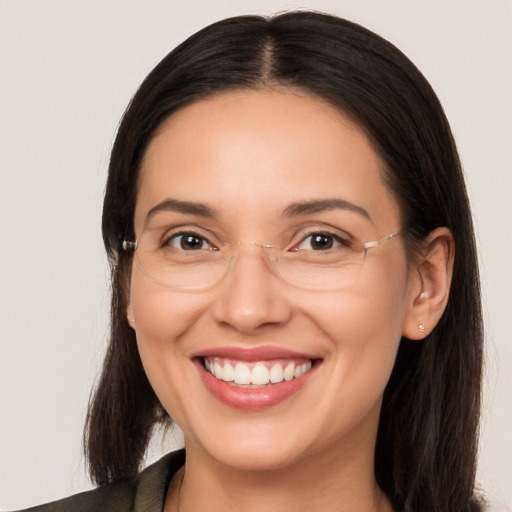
x=144, y=493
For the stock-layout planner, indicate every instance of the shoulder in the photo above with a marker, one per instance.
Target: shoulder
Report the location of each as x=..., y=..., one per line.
x=144, y=492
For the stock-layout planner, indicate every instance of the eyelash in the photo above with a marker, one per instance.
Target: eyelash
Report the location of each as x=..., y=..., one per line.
x=340, y=241
x=175, y=236
x=337, y=239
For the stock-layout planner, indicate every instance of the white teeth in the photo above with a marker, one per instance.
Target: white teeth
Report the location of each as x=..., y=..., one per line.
x=288, y=372
x=217, y=370
x=302, y=369
x=242, y=374
x=228, y=373
x=261, y=374
x=276, y=373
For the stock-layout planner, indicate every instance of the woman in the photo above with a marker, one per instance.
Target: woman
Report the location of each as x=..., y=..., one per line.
x=294, y=282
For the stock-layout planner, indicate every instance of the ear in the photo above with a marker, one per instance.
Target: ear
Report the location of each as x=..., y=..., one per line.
x=125, y=284
x=429, y=285
x=129, y=315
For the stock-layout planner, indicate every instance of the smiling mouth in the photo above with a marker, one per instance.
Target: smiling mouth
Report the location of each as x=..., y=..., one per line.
x=256, y=374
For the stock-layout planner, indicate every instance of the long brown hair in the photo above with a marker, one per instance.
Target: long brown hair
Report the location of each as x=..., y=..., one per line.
x=427, y=441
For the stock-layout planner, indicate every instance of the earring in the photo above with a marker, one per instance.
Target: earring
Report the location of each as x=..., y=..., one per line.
x=421, y=327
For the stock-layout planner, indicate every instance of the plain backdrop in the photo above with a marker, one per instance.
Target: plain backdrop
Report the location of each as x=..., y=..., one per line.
x=67, y=71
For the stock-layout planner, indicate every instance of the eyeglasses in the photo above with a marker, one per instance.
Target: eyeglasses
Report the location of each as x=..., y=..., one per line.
x=187, y=260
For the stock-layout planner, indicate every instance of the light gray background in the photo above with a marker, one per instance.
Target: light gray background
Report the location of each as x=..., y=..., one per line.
x=67, y=71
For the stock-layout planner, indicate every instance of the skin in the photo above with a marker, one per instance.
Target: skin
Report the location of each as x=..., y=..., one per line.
x=248, y=155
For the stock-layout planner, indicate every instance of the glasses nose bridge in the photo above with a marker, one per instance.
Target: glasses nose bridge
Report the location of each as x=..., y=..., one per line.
x=261, y=250
x=251, y=243
x=256, y=248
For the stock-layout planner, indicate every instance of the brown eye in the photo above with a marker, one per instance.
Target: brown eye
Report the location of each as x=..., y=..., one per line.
x=188, y=242
x=321, y=242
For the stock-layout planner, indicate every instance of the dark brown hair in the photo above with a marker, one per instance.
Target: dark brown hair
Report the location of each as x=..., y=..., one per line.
x=427, y=440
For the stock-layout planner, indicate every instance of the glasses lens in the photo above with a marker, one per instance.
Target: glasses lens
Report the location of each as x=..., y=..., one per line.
x=320, y=270
x=187, y=261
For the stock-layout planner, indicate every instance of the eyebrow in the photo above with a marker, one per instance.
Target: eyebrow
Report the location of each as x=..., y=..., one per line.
x=321, y=205
x=292, y=210
x=174, y=205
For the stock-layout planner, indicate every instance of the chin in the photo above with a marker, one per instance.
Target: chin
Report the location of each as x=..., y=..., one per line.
x=253, y=457
x=250, y=447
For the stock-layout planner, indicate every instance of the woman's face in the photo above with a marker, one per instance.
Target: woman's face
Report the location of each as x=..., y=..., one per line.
x=269, y=167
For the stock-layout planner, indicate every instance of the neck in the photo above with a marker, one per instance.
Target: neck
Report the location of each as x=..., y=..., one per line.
x=341, y=482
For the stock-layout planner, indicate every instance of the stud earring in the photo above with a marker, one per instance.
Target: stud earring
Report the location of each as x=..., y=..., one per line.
x=421, y=327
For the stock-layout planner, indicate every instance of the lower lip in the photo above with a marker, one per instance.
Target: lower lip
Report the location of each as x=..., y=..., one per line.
x=252, y=398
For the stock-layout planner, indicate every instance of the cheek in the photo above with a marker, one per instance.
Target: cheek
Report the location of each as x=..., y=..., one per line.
x=160, y=314
x=162, y=320
x=365, y=325
x=375, y=304
x=365, y=336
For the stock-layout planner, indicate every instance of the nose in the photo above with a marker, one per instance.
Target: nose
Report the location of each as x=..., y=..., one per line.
x=251, y=297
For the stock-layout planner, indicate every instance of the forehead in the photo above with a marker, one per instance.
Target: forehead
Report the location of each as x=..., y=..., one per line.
x=254, y=152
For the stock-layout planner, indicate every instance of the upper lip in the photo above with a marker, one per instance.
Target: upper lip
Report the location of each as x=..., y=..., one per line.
x=252, y=354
